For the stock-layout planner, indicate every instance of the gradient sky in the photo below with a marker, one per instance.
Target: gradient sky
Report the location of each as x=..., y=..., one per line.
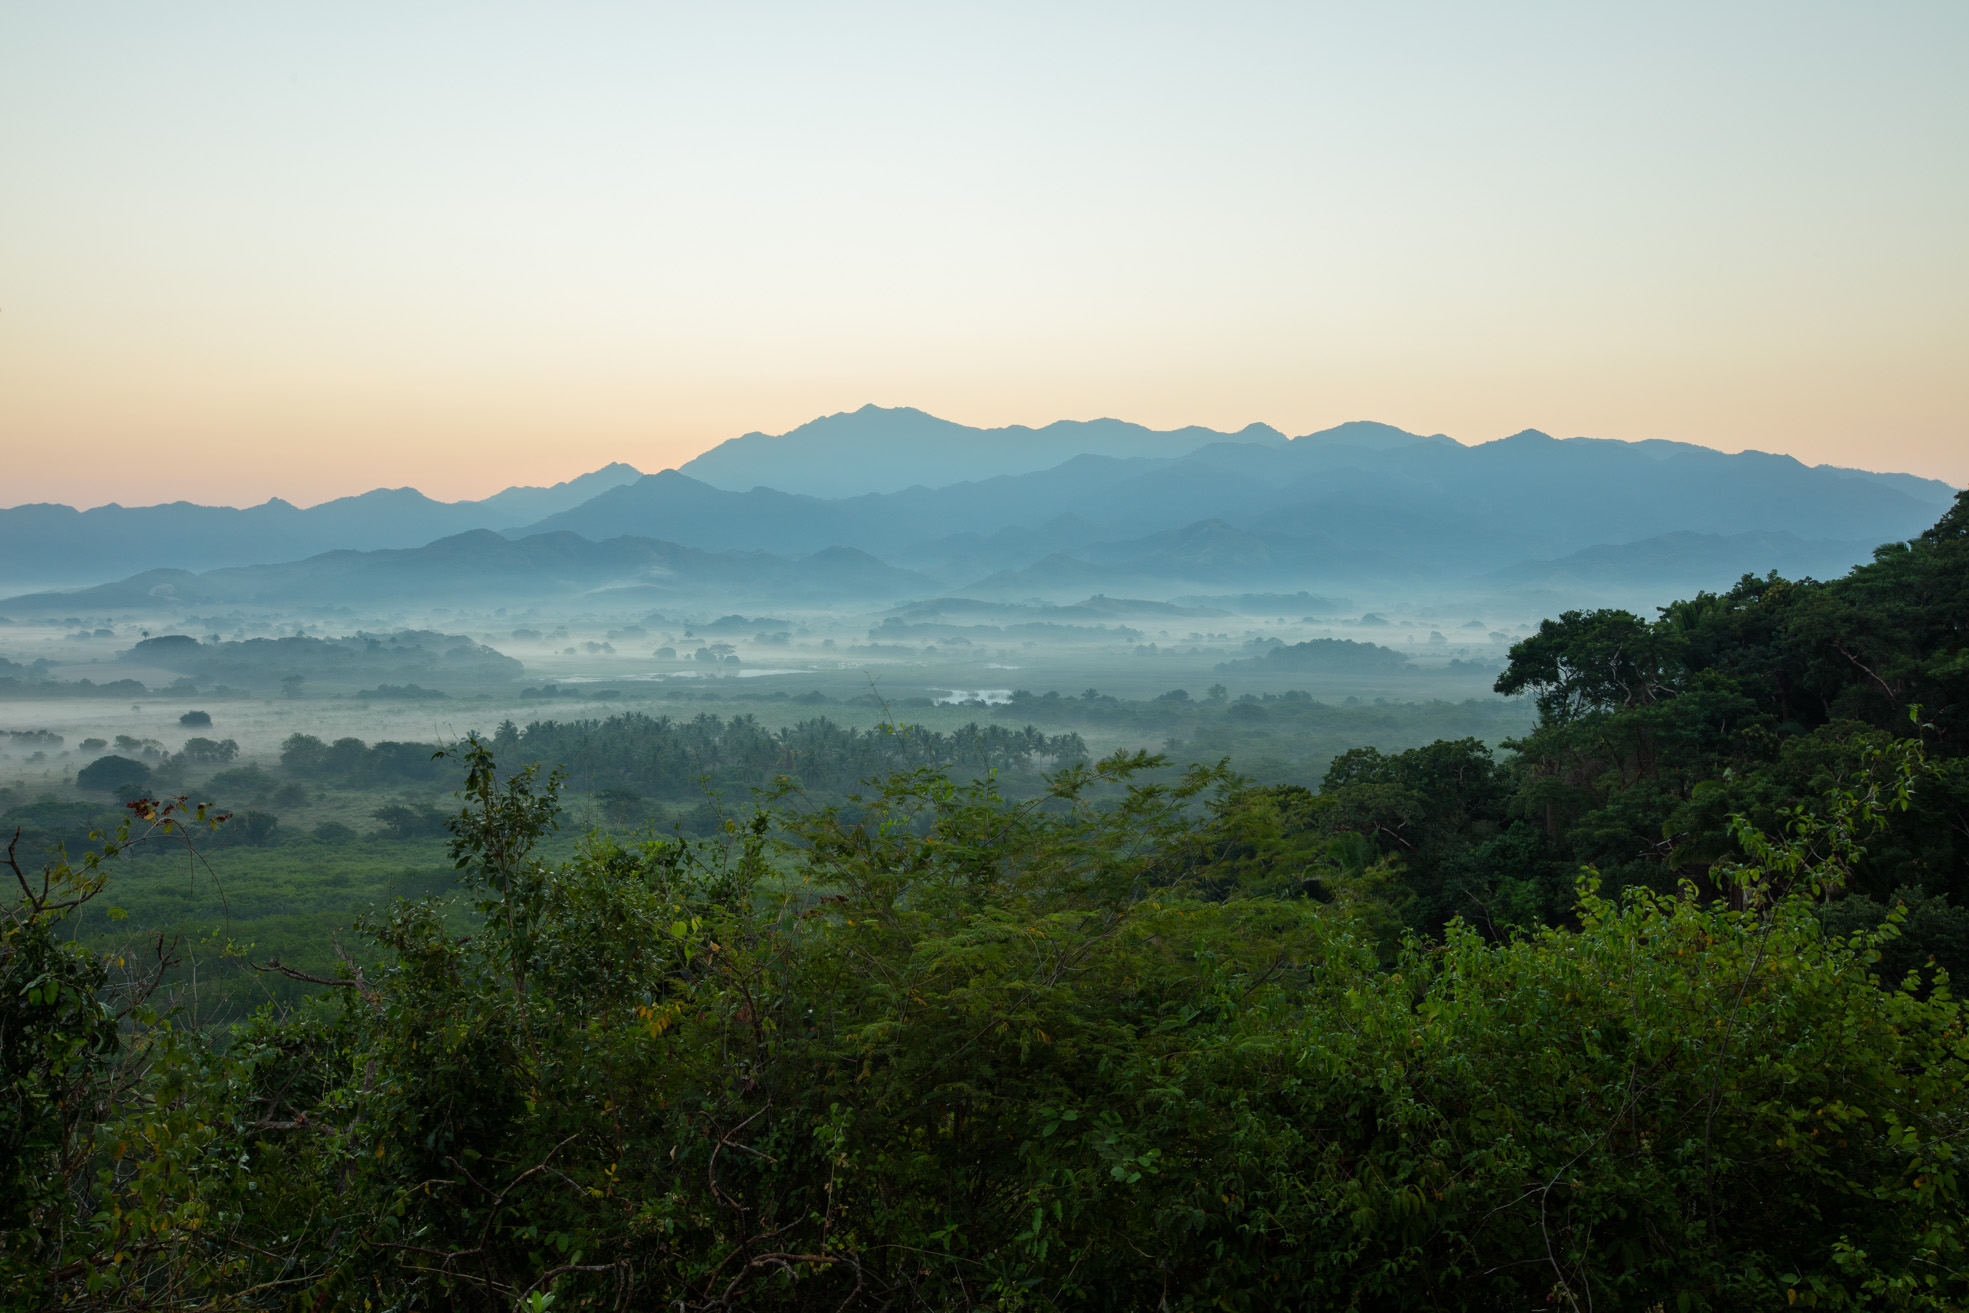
x=308, y=249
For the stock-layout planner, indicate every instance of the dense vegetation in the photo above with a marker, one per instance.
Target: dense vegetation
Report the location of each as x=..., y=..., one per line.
x=1652, y=734
x=1282, y=738
x=665, y=758
x=292, y=662
x=1123, y=1040
x=662, y=757
x=966, y=1052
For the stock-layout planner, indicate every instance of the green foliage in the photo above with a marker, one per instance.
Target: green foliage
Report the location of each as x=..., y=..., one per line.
x=932, y=1047
x=77, y=1035
x=122, y=776
x=1651, y=735
x=400, y=821
x=48, y=824
x=665, y=758
x=1592, y=661
x=353, y=762
x=207, y=752
x=239, y=904
x=1329, y=656
x=253, y=827
x=1785, y=689
x=1286, y=738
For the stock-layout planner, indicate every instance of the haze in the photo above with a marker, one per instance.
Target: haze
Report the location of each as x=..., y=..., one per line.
x=303, y=251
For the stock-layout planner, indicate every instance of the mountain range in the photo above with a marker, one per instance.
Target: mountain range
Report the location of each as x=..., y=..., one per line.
x=481, y=567
x=1361, y=505
x=45, y=543
x=887, y=450
x=1363, y=500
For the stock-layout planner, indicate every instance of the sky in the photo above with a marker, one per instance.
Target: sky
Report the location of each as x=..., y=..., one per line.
x=303, y=250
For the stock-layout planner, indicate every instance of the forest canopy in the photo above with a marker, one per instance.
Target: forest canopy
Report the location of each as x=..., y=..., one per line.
x=1652, y=734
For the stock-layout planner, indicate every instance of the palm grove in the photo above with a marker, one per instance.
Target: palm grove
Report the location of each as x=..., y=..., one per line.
x=1651, y=1013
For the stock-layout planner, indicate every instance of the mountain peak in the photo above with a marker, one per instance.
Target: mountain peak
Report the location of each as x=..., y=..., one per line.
x=879, y=449
x=1371, y=434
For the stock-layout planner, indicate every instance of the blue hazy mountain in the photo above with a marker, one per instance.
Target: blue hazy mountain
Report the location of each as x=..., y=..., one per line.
x=1358, y=503
x=1688, y=561
x=886, y=450
x=51, y=544
x=1361, y=503
x=486, y=568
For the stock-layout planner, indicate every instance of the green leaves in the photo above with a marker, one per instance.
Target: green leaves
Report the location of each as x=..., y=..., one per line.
x=1093, y=1049
x=502, y=819
x=1594, y=661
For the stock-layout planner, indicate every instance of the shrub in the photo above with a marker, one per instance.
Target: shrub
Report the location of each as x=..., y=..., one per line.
x=943, y=1050
x=405, y=822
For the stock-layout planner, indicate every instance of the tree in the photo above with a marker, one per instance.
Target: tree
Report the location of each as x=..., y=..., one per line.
x=80, y=1038
x=112, y=774
x=1592, y=661
x=207, y=752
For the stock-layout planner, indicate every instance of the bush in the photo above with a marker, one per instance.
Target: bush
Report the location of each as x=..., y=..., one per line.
x=944, y=1050
x=253, y=829
x=404, y=822
x=248, y=781
x=195, y=719
x=122, y=776
x=47, y=824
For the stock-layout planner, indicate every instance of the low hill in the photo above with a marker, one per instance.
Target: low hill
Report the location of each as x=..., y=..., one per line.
x=1330, y=656
x=677, y=508
x=483, y=566
x=448, y=660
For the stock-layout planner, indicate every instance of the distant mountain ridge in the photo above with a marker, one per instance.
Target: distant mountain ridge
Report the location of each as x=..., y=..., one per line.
x=484, y=568
x=875, y=449
x=46, y=543
x=1361, y=504
x=1691, y=560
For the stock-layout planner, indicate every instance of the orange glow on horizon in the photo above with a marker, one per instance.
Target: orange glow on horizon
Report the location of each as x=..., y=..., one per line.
x=256, y=252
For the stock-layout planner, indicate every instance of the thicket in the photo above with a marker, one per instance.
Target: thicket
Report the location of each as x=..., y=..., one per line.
x=965, y=1052
x=1652, y=734
x=354, y=762
x=661, y=757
